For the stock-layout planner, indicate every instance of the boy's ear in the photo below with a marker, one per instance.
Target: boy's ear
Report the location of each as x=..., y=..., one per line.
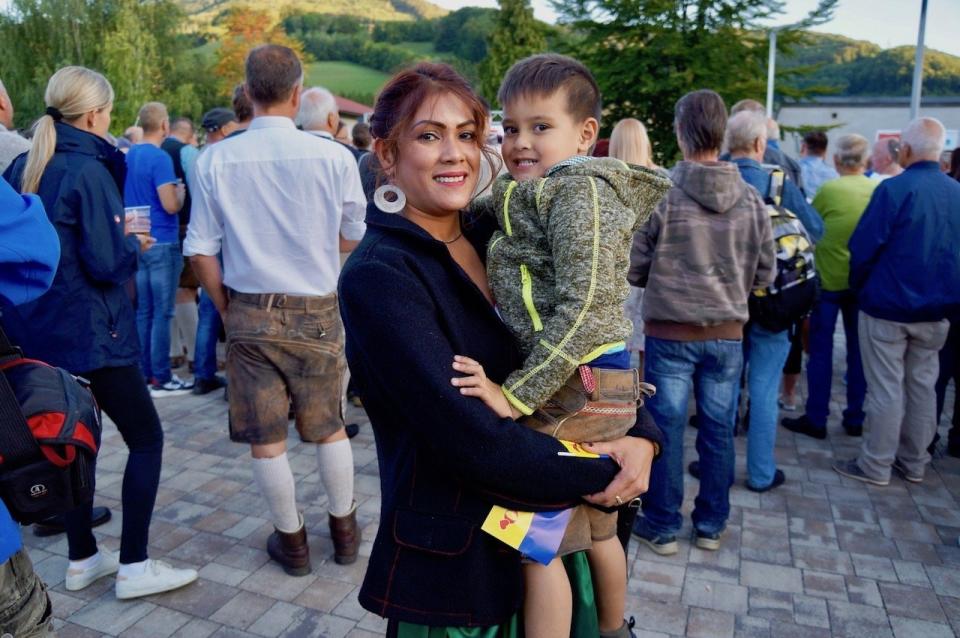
x=588, y=134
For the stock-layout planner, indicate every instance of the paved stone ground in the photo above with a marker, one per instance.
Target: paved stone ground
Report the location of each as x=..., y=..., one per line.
x=820, y=556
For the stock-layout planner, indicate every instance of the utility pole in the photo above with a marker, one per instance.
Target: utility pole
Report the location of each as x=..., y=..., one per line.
x=918, y=65
x=772, y=67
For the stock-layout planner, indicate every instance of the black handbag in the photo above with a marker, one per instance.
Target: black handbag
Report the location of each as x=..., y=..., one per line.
x=49, y=436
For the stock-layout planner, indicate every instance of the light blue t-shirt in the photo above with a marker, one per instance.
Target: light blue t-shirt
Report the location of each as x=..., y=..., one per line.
x=148, y=168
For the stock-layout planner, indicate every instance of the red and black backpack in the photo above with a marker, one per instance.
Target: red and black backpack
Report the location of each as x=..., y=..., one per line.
x=49, y=437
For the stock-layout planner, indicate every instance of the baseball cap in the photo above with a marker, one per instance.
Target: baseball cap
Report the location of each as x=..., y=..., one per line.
x=214, y=119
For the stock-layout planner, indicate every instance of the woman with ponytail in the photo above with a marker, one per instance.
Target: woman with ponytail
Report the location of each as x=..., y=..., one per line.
x=85, y=322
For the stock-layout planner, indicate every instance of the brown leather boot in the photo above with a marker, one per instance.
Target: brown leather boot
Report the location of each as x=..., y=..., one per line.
x=290, y=549
x=346, y=537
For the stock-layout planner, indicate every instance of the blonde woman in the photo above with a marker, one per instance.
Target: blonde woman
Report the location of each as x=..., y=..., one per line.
x=629, y=142
x=85, y=322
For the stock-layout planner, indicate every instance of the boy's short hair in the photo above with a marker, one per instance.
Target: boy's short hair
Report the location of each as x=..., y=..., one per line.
x=546, y=73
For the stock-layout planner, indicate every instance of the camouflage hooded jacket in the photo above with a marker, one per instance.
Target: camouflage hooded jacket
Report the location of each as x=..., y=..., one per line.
x=558, y=267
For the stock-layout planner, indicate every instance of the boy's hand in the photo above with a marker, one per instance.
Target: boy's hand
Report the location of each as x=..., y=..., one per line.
x=476, y=384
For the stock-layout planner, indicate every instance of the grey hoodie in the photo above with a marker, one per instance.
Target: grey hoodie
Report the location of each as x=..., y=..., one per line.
x=707, y=245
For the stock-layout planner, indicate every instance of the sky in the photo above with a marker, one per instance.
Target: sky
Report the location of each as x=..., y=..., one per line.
x=889, y=23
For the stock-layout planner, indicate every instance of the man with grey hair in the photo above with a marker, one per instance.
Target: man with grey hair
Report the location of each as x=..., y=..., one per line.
x=319, y=116
x=710, y=222
x=773, y=154
x=765, y=351
x=11, y=143
x=905, y=270
x=840, y=202
x=886, y=153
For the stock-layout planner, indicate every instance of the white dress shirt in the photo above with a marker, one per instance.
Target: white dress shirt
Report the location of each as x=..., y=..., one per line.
x=275, y=201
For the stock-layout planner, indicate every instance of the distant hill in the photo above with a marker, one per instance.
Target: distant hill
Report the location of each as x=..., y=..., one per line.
x=857, y=67
x=205, y=13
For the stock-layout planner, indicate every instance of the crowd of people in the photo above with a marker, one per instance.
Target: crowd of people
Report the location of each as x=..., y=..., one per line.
x=524, y=321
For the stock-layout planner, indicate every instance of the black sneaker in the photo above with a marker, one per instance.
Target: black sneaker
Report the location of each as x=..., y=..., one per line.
x=55, y=524
x=352, y=430
x=778, y=479
x=802, y=425
x=205, y=386
x=708, y=541
x=694, y=469
x=662, y=544
x=852, y=429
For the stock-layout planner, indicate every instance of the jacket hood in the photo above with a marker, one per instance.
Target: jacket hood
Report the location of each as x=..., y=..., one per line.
x=635, y=186
x=716, y=186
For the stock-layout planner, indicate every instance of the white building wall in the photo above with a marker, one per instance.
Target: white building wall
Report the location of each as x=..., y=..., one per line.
x=861, y=119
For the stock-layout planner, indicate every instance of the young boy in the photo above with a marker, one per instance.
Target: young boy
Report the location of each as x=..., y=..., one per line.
x=558, y=272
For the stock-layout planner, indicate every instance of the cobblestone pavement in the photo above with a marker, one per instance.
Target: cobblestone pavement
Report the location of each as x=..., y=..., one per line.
x=820, y=556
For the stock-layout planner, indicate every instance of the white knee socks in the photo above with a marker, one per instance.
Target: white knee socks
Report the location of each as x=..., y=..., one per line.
x=336, y=472
x=277, y=488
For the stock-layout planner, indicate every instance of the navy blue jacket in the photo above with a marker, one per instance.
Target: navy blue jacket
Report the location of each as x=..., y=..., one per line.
x=408, y=308
x=905, y=252
x=792, y=199
x=86, y=320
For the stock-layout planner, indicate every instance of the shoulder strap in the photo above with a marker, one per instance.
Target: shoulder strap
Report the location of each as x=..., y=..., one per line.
x=775, y=187
x=17, y=444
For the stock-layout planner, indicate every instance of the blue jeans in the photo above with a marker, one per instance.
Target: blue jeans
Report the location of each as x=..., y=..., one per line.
x=823, y=320
x=712, y=368
x=765, y=353
x=157, y=279
x=208, y=330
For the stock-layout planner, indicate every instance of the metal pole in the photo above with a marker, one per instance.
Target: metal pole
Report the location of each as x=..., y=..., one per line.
x=918, y=65
x=771, y=68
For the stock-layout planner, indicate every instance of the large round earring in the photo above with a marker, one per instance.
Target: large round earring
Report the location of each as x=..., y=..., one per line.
x=389, y=199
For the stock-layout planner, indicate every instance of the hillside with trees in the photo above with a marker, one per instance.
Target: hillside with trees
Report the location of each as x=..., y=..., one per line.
x=856, y=67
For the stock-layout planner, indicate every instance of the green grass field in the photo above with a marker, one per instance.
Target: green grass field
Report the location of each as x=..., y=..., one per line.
x=345, y=77
x=424, y=49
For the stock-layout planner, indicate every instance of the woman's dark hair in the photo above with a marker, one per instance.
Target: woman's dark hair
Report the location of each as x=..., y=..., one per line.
x=700, y=118
x=399, y=100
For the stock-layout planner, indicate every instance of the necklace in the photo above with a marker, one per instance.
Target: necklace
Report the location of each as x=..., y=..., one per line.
x=450, y=241
x=459, y=235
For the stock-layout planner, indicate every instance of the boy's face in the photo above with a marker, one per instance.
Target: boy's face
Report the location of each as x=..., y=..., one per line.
x=539, y=131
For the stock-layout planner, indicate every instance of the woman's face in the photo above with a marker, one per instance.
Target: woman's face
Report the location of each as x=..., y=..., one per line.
x=438, y=157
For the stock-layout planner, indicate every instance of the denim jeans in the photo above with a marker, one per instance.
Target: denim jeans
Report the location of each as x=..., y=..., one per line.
x=157, y=279
x=25, y=610
x=712, y=368
x=208, y=330
x=823, y=320
x=765, y=353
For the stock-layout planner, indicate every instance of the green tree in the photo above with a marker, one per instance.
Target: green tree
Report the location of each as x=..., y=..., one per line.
x=646, y=55
x=135, y=43
x=517, y=34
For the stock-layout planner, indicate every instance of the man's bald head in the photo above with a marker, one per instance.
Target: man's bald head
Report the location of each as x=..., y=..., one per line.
x=922, y=141
x=748, y=105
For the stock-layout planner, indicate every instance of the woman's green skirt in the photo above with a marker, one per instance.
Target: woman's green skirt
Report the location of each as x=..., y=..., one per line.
x=584, y=612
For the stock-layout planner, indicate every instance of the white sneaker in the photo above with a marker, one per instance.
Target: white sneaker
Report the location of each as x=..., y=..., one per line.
x=173, y=388
x=157, y=577
x=108, y=564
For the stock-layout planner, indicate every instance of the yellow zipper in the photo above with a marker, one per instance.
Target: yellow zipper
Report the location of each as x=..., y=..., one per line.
x=527, y=290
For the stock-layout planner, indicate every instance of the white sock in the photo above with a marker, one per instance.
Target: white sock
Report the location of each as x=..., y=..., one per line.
x=336, y=472
x=131, y=570
x=85, y=563
x=186, y=319
x=277, y=488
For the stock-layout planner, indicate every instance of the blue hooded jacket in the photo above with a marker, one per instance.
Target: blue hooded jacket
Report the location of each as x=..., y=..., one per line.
x=86, y=320
x=905, y=252
x=29, y=252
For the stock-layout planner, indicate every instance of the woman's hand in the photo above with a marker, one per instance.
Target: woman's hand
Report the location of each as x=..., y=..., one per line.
x=146, y=242
x=634, y=456
x=476, y=384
